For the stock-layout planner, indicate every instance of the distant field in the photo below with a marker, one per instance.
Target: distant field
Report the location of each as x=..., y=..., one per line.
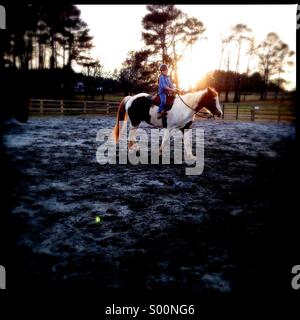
x=247, y=98
x=107, y=97
x=256, y=97
x=273, y=104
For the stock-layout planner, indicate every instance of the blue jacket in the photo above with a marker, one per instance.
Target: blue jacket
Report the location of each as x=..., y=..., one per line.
x=164, y=81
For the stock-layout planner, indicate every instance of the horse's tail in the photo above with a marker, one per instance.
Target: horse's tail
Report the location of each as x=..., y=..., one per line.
x=121, y=116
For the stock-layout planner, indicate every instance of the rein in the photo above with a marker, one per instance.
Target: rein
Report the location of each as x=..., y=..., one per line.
x=197, y=112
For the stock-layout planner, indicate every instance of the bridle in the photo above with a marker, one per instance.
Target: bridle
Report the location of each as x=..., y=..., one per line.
x=197, y=112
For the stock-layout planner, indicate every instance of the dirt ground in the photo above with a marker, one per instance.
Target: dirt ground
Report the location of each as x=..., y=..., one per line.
x=159, y=228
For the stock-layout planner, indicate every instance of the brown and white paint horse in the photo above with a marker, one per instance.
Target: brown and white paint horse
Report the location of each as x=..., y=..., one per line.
x=140, y=108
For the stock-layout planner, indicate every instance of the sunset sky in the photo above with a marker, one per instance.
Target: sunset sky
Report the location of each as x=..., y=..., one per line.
x=117, y=29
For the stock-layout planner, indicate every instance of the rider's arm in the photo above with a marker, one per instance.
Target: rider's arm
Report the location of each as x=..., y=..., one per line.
x=170, y=86
x=170, y=89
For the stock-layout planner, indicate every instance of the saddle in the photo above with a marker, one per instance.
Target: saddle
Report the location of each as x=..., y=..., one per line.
x=169, y=104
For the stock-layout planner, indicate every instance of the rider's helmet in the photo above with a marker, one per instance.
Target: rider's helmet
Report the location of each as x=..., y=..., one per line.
x=163, y=67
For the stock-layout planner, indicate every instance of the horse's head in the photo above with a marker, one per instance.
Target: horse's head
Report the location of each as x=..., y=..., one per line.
x=210, y=101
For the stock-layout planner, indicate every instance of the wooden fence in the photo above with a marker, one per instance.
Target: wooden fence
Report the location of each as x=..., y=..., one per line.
x=259, y=112
x=64, y=107
x=240, y=112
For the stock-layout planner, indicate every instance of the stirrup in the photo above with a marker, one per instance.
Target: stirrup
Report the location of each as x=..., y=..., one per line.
x=163, y=113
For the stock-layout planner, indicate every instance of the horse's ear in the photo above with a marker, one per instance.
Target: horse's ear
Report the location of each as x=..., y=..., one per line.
x=212, y=91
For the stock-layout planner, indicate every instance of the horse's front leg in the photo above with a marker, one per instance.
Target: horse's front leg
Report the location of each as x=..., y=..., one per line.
x=187, y=136
x=165, y=139
x=132, y=144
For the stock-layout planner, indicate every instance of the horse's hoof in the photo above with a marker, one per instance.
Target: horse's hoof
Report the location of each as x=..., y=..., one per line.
x=190, y=158
x=134, y=147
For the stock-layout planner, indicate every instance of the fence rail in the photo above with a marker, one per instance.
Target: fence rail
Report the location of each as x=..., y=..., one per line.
x=256, y=112
x=46, y=107
x=240, y=112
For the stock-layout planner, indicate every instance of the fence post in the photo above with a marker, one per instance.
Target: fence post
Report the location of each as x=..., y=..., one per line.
x=107, y=108
x=252, y=113
x=41, y=107
x=223, y=107
x=84, y=107
x=61, y=107
x=237, y=111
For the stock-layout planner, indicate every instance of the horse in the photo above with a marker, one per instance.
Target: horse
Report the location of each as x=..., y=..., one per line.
x=140, y=107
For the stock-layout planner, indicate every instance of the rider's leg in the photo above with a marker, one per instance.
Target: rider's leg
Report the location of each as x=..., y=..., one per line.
x=163, y=100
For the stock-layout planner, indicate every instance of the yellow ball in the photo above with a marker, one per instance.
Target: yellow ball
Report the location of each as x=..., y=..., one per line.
x=98, y=219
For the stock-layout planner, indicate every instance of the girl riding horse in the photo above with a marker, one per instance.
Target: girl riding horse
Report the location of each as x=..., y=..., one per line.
x=140, y=108
x=165, y=86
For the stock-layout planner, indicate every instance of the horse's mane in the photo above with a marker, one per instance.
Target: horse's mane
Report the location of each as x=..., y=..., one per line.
x=201, y=92
x=194, y=97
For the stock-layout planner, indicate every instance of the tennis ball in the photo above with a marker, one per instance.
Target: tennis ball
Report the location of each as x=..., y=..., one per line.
x=98, y=219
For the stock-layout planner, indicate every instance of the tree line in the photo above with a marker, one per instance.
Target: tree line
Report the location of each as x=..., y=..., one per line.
x=44, y=35
x=42, y=42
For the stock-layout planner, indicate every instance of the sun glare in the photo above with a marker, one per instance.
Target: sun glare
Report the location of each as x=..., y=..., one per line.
x=188, y=77
x=195, y=64
x=190, y=73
